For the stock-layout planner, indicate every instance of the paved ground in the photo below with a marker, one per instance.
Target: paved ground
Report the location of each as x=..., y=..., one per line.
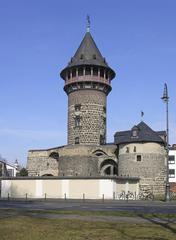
x=13, y=208
x=80, y=205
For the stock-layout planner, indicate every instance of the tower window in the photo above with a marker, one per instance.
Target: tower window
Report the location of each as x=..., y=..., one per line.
x=95, y=71
x=80, y=72
x=102, y=140
x=74, y=73
x=102, y=73
x=88, y=71
x=77, y=121
x=82, y=56
x=104, y=109
x=76, y=140
x=94, y=56
x=138, y=158
x=104, y=121
x=134, y=149
x=77, y=107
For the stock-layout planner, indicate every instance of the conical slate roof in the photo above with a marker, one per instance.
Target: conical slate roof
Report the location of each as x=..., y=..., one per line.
x=145, y=134
x=88, y=53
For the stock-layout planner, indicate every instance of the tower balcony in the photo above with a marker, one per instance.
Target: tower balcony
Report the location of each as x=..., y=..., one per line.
x=87, y=78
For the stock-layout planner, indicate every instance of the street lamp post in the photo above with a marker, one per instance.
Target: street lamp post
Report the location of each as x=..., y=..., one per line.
x=165, y=98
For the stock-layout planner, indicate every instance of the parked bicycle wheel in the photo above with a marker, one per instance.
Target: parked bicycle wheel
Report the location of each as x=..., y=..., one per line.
x=150, y=197
x=131, y=196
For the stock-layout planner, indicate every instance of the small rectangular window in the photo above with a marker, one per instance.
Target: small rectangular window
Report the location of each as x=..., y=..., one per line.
x=104, y=109
x=171, y=173
x=127, y=150
x=77, y=107
x=76, y=140
x=102, y=73
x=139, y=158
x=171, y=159
x=74, y=73
x=102, y=140
x=95, y=71
x=80, y=72
x=77, y=121
x=88, y=71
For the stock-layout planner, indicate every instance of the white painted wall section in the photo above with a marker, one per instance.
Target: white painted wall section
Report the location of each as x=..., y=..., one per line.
x=65, y=188
x=5, y=188
x=106, y=188
x=39, y=188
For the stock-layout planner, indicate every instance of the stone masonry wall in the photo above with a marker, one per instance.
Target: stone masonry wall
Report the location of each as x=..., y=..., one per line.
x=92, y=116
x=73, y=160
x=39, y=164
x=152, y=167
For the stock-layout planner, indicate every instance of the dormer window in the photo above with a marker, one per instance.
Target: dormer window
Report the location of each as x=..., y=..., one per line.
x=135, y=132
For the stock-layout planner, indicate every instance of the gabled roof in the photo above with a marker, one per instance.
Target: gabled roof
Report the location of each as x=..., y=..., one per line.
x=144, y=134
x=88, y=53
x=6, y=163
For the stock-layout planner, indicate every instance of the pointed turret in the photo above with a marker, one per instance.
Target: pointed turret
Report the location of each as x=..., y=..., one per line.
x=88, y=54
x=87, y=83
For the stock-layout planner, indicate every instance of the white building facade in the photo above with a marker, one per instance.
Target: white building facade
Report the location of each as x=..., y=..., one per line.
x=172, y=164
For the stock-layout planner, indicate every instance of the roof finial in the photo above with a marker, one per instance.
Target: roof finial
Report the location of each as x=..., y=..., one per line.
x=88, y=24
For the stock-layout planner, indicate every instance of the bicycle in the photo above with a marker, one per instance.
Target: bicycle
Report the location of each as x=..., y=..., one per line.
x=146, y=196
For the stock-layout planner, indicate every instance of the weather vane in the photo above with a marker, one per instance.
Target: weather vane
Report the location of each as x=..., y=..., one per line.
x=142, y=114
x=88, y=23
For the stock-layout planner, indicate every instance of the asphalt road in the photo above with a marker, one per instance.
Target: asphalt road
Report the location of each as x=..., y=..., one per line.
x=80, y=205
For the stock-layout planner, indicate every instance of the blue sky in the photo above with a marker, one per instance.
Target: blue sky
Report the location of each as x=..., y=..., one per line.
x=38, y=38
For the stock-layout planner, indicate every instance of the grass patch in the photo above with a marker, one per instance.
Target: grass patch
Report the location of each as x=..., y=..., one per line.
x=28, y=228
x=107, y=213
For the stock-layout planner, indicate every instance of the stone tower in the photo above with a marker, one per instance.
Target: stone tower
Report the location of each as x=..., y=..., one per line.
x=87, y=83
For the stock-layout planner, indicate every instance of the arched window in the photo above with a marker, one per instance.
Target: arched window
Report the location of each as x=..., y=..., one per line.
x=54, y=155
x=109, y=167
x=99, y=153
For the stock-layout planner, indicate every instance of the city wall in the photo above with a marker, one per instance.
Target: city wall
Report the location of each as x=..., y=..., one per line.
x=73, y=188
